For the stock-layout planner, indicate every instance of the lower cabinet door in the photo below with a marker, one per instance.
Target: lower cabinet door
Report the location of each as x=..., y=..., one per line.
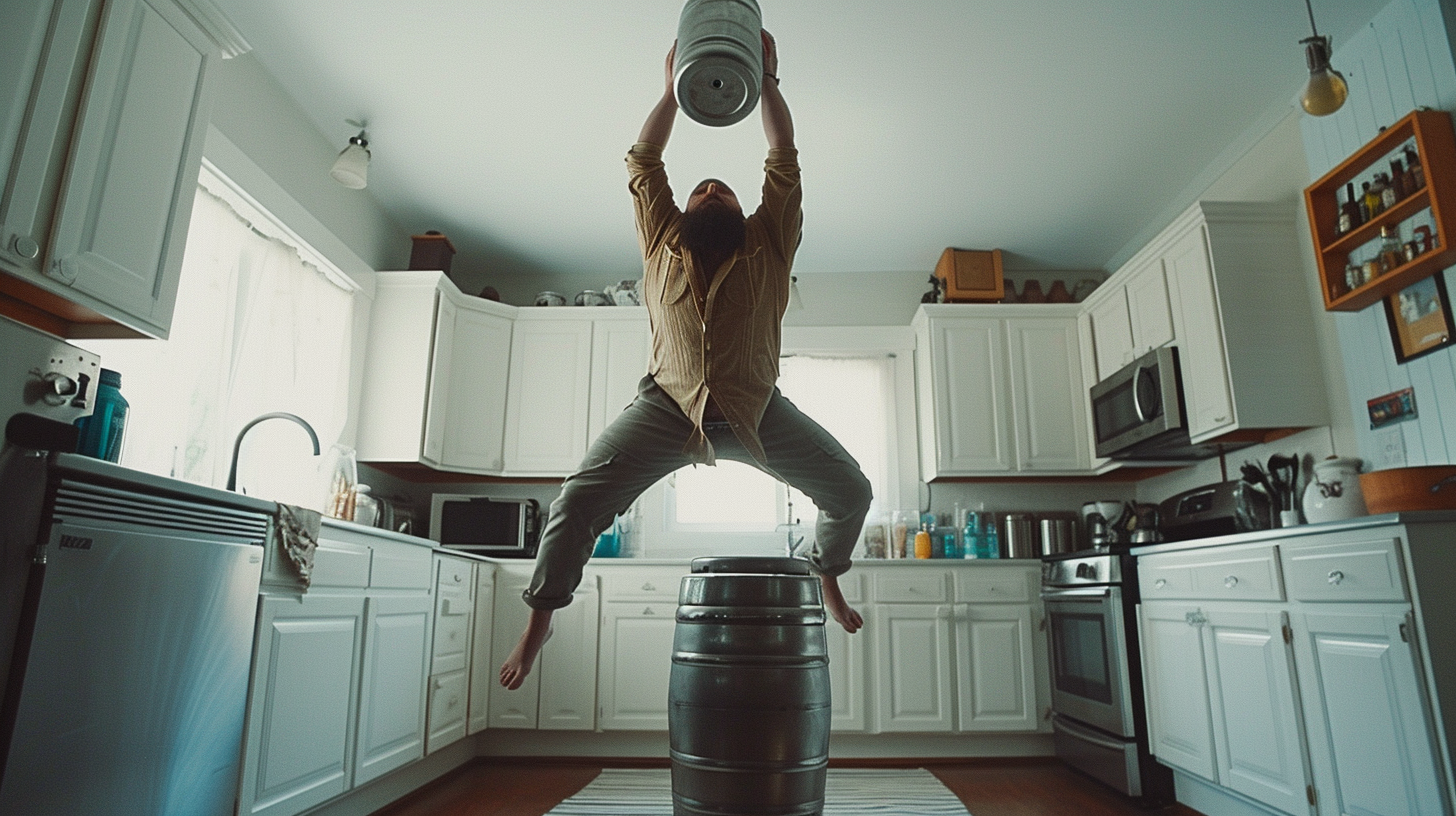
x=1257, y=727
x=448, y=695
x=995, y=668
x=913, y=689
x=392, y=690
x=846, y=677
x=507, y=708
x=301, y=720
x=1370, y=743
x=483, y=668
x=1180, y=726
x=636, y=663
x=568, y=665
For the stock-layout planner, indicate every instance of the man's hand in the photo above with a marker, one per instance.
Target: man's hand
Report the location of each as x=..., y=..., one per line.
x=778, y=126
x=671, y=66
x=770, y=53
x=658, y=126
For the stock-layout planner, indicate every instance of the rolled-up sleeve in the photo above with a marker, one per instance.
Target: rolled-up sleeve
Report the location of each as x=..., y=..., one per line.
x=780, y=211
x=654, y=208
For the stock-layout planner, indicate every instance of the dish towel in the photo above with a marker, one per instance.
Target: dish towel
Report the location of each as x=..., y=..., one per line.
x=296, y=532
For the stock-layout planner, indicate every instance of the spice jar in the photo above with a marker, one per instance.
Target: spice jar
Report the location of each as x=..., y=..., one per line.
x=1391, y=254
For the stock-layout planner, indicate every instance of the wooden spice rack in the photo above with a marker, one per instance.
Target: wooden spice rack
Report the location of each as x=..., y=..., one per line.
x=1436, y=145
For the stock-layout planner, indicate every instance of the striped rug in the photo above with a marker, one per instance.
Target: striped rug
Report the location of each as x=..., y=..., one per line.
x=847, y=792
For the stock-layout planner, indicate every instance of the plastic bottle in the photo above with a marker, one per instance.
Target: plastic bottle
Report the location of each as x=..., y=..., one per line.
x=991, y=541
x=971, y=536
x=102, y=432
x=922, y=544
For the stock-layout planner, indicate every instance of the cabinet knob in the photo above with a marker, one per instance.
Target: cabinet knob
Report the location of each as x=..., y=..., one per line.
x=1231, y=581
x=648, y=611
x=1160, y=583
x=25, y=246
x=648, y=587
x=1336, y=577
x=1221, y=419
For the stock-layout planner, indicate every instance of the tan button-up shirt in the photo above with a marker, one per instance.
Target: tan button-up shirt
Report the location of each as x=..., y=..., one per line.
x=723, y=341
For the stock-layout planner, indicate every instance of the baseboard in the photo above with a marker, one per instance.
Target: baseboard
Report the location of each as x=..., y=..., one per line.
x=1212, y=800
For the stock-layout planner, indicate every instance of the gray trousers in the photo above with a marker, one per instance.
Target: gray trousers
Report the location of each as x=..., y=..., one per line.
x=645, y=443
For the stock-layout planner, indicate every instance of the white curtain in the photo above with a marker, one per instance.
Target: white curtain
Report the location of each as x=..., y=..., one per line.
x=256, y=330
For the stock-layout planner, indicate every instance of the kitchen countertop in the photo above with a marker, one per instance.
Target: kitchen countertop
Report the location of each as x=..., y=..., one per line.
x=1284, y=533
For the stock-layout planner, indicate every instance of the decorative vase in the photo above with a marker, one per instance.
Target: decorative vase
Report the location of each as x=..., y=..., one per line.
x=1334, y=492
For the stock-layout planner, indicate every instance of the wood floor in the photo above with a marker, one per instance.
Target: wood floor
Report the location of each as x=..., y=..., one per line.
x=494, y=787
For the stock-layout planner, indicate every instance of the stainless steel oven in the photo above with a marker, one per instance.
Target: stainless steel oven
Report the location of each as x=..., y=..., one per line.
x=1098, y=721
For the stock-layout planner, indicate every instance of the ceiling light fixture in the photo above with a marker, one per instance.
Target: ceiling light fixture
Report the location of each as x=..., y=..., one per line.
x=351, y=168
x=1326, y=90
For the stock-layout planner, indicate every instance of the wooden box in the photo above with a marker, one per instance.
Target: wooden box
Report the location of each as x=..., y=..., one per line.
x=431, y=251
x=971, y=275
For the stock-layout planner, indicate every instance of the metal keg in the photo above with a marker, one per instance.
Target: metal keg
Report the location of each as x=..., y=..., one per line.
x=748, y=698
x=719, y=64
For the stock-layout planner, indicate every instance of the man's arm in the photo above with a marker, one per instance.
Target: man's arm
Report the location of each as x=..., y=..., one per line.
x=778, y=126
x=658, y=127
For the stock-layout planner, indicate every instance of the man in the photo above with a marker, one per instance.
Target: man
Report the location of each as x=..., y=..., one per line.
x=716, y=285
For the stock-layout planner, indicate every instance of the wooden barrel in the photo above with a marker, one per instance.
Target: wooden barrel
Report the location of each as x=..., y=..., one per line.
x=748, y=698
x=718, y=68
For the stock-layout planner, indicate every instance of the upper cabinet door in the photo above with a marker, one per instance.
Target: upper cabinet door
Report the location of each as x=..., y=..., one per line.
x=127, y=195
x=621, y=350
x=475, y=416
x=41, y=48
x=965, y=405
x=1203, y=363
x=1148, y=307
x=1050, y=404
x=546, y=417
x=1112, y=328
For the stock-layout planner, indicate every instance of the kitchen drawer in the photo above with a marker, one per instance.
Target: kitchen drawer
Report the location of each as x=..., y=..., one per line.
x=453, y=616
x=448, y=695
x=455, y=576
x=339, y=564
x=910, y=585
x=398, y=565
x=1215, y=574
x=993, y=585
x=1361, y=567
x=657, y=584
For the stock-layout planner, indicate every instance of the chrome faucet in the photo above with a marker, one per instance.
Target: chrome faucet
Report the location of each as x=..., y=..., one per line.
x=232, y=482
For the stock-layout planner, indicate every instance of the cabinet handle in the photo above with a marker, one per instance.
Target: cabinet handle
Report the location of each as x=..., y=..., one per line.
x=25, y=246
x=1231, y=582
x=1336, y=577
x=1221, y=419
x=1160, y=583
x=648, y=587
x=648, y=611
x=1195, y=618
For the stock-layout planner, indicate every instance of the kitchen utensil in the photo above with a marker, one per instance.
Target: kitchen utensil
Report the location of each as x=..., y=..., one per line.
x=550, y=299
x=1397, y=490
x=591, y=297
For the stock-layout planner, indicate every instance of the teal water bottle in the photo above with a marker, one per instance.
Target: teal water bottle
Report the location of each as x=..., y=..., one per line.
x=971, y=540
x=102, y=432
x=991, y=541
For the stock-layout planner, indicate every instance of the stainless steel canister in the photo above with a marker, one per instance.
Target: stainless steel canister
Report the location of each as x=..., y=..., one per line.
x=1019, y=540
x=718, y=68
x=1056, y=536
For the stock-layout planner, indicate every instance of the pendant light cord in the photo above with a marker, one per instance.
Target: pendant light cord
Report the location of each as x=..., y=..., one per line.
x=1309, y=8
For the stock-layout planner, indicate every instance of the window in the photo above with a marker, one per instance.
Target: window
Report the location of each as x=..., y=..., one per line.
x=257, y=328
x=859, y=388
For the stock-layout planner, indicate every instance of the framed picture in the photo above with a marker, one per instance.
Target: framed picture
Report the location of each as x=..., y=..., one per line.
x=1420, y=319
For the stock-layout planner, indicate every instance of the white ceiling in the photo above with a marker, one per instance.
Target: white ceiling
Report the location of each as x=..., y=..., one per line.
x=1053, y=129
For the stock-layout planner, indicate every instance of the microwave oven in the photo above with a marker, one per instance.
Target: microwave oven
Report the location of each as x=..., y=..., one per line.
x=1138, y=413
x=482, y=525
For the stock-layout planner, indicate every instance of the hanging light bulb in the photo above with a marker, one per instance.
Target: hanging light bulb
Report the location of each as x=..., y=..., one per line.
x=351, y=168
x=1326, y=89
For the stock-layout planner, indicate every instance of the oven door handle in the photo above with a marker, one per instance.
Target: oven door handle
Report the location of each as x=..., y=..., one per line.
x=1137, y=403
x=1077, y=594
x=1088, y=735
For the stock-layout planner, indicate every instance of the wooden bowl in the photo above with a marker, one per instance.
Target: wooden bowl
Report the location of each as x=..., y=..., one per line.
x=1408, y=488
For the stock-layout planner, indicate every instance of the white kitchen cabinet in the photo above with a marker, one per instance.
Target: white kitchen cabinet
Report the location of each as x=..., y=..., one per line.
x=1224, y=284
x=101, y=144
x=913, y=667
x=568, y=664
x=306, y=669
x=572, y=372
x=392, y=689
x=1365, y=707
x=848, y=664
x=1000, y=391
x=435, y=389
x=636, y=663
x=450, y=658
x=484, y=658
x=1175, y=688
x=560, y=692
x=995, y=668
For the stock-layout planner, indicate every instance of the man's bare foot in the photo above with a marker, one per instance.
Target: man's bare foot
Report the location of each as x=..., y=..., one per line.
x=518, y=664
x=837, y=607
